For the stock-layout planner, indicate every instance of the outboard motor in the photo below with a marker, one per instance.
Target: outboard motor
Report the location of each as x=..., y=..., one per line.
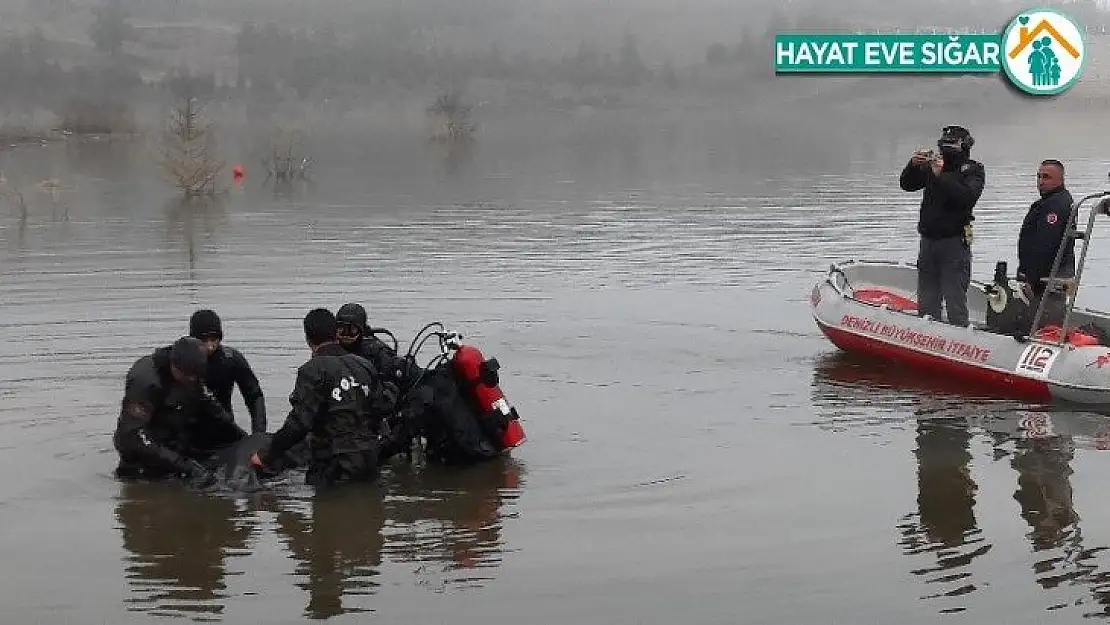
x=1008, y=311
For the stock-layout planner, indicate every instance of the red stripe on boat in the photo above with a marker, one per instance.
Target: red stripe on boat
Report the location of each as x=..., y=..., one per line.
x=1012, y=384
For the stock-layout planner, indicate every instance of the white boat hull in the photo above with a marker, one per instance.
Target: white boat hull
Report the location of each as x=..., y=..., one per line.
x=1035, y=369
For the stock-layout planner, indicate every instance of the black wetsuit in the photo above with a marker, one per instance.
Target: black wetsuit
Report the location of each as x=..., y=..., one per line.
x=340, y=399
x=227, y=367
x=167, y=428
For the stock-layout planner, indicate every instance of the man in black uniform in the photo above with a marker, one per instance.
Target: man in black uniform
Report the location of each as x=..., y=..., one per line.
x=400, y=372
x=952, y=185
x=169, y=423
x=227, y=367
x=1042, y=233
x=338, y=397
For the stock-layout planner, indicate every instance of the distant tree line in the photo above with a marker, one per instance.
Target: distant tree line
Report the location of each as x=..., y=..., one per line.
x=33, y=78
x=272, y=57
x=316, y=62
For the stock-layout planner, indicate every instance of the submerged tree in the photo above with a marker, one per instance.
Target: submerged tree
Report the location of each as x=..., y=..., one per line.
x=451, y=116
x=287, y=157
x=188, y=152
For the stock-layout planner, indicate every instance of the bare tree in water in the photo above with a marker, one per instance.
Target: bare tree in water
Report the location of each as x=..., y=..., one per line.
x=287, y=158
x=188, y=150
x=451, y=116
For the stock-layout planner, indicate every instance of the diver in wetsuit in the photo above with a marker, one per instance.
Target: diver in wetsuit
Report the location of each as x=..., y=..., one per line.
x=355, y=337
x=342, y=401
x=169, y=422
x=400, y=371
x=228, y=367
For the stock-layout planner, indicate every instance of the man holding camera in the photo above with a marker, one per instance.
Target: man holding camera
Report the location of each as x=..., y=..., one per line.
x=952, y=183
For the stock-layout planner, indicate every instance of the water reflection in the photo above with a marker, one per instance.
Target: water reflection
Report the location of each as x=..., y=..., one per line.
x=178, y=542
x=1045, y=495
x=944, y=527
x=186, y=218
x=429, y=516
x=1040, y=445
x=944, y=524
x=850, y=392
x=453, y=517
x=338, y=547
x=454, y=156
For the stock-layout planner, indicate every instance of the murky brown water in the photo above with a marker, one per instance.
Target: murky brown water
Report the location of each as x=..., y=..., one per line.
x=697, y=454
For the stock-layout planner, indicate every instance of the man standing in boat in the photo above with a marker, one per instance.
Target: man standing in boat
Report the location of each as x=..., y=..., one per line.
x=952, y=183
x=1042, y=234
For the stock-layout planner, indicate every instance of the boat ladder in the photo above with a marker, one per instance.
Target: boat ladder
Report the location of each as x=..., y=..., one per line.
x=1069, y=286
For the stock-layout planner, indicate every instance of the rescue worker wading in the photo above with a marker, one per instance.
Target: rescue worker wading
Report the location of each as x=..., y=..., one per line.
x=354, y=335
x=397, y=371
x=169, y=423
x=952, y=185
x=227, y=367
x=1042, y=232
x=338, y=397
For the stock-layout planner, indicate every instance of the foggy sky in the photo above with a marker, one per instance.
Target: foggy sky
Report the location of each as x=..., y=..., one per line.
x=676, y=29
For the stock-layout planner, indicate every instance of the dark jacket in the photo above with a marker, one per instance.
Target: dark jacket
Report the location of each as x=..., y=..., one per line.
x=163, y=425
x=394, y=368
x=339, y=398
x=401, y=375
x=227, y=367
x=949, y=199
x=1042, y=232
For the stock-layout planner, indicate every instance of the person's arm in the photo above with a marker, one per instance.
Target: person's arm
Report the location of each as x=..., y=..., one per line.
x=306, y=404
x=963, y=188
x=231, y=431
x=251, y=390
x=133, y=436
x=912, y=178
x=1023, y=252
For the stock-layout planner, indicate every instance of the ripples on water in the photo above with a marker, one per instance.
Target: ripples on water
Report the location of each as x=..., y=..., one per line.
x=647, y=299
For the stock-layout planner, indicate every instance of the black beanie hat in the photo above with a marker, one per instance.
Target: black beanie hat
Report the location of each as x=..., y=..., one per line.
x=205, y=322
x=188, y=355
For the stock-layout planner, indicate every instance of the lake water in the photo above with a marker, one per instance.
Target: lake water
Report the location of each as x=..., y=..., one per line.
x=698, y=452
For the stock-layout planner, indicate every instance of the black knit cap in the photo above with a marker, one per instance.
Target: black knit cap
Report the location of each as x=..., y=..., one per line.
x=188, y=355
x=205, y=322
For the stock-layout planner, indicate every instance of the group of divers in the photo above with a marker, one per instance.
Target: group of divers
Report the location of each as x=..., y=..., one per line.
x=355, y=405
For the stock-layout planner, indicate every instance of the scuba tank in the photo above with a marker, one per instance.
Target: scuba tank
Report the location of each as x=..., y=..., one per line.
x=468, y=419
x=479, y=380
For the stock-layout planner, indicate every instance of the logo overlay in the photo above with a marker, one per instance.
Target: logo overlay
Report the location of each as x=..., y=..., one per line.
x=1045, y=52
x=1041, y=51
x=904, y=54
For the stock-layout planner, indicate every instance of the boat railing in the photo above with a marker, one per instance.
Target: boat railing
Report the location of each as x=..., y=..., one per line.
x=1070, y=285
